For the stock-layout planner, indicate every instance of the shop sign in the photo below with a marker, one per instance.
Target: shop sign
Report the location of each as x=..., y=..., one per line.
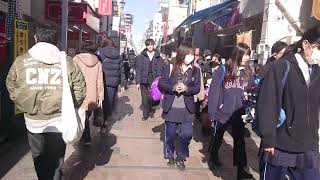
x=21, y=30
x=225, y=21
x=77, y=12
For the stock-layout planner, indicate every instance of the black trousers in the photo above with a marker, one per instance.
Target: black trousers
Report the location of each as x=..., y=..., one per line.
x=48, y=151
x=239, y=148
x=146, y=100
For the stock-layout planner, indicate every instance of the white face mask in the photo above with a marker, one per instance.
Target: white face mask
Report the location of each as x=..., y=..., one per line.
x=315, y=56
x=188, y=59
x=208, y=57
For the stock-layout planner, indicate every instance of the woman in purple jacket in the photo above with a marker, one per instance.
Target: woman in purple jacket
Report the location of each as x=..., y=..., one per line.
x=225, y=106
x=179, y=83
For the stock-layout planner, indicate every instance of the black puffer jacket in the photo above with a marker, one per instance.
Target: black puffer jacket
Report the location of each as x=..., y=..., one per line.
x=112, y=66
x=144, y=65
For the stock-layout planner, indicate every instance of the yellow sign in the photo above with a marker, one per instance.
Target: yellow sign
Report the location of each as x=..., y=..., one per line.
x=21, y=30
x=21, y=43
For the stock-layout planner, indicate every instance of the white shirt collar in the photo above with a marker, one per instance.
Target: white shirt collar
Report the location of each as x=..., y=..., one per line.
x=150, y=55
x=304, y=67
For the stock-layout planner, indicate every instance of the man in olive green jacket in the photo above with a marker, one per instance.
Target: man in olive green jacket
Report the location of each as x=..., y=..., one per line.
x=35, y=83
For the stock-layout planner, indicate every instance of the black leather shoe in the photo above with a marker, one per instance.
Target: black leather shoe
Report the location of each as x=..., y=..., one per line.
x=180, y=164
x=171, y=163
x=242, y=174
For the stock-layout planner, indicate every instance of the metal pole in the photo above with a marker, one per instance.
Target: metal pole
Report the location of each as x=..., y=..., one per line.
x=64, y=27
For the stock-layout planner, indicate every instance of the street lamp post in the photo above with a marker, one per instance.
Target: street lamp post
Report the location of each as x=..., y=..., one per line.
x=64, y=27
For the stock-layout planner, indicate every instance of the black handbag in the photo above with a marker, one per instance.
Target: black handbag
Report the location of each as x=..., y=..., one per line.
x=98, y=117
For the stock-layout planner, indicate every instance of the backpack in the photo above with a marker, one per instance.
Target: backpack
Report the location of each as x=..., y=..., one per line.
x=250, y=103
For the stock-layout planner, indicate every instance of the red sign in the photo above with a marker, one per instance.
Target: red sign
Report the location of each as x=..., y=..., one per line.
x=105, y=7
x=77, y=12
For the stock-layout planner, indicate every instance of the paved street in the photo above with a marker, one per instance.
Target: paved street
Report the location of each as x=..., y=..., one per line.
x=131, y=151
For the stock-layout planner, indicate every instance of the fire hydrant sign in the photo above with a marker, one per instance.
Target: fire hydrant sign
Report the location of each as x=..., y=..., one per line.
x=21, y=30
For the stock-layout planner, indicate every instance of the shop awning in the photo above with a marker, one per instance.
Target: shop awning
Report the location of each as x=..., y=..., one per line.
x=200, y=15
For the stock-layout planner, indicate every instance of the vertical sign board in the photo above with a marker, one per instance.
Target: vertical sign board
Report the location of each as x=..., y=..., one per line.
x=20, y=37
x=20, y=41
x=105, y=7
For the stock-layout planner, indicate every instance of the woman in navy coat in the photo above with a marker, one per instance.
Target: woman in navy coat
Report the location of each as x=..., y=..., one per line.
x=180, y=82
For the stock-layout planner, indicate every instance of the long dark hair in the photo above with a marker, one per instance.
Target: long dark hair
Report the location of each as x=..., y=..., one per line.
x=182, y=52
x=235, y=62
x=277, y=47
x=312, y=36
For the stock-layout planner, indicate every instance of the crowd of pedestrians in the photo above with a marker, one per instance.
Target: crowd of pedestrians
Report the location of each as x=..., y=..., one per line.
x=193, y=86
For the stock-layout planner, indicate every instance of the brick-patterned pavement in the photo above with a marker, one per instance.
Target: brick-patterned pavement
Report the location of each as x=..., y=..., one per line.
x=132, y=150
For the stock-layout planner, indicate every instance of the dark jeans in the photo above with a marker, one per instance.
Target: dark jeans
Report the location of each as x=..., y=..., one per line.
x=48, y=151
x=146, y=100
x=86, y=136
x=271, y=172
x=110, y=96
x=239, y=148
x=184, y=132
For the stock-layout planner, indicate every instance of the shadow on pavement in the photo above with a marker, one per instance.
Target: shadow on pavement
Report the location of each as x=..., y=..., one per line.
x=15, y=148
x=85, y=159
x=227, y=171
x=124, y=108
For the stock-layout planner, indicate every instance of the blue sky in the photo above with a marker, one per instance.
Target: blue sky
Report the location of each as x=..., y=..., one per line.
x=143, y=11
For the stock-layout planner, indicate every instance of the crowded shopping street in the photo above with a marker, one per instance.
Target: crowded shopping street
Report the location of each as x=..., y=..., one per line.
x=159, y=89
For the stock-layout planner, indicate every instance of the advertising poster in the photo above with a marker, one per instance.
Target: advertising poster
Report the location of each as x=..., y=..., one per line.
x=20, y=37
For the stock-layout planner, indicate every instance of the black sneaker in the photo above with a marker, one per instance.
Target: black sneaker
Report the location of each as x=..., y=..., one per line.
x=180, y=164
x=144, y=118
x=151, y=115
x=242, y=174
x=171, y=162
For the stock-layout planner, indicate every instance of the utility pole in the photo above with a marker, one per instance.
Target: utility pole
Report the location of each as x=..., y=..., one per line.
x=64, y=27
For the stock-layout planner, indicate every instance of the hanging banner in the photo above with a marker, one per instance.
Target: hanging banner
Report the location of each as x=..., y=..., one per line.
x=21, y=30
x=224, y=21
x=105, y=7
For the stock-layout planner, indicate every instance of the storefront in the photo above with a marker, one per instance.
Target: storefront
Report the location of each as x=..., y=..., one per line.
x=216, y=28
x=83, y=23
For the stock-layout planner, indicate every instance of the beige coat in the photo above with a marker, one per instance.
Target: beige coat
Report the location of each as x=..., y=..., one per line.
x=92, y=71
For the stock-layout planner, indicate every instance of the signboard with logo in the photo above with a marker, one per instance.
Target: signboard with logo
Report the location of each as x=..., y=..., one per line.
x=226, y=20
x=21, y=29
x=77, y=12
x=105, y=7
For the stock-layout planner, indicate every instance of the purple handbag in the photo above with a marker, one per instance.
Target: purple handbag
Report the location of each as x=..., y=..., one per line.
x=154, y=90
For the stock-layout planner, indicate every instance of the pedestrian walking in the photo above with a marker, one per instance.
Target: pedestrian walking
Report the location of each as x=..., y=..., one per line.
x=92, y=71
x=277, y=51
x=114, y=76
x=149, y=67
x=291, y=146
x=225, y=106
x=132, y=59
x=35, y=86
x=179, y=83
